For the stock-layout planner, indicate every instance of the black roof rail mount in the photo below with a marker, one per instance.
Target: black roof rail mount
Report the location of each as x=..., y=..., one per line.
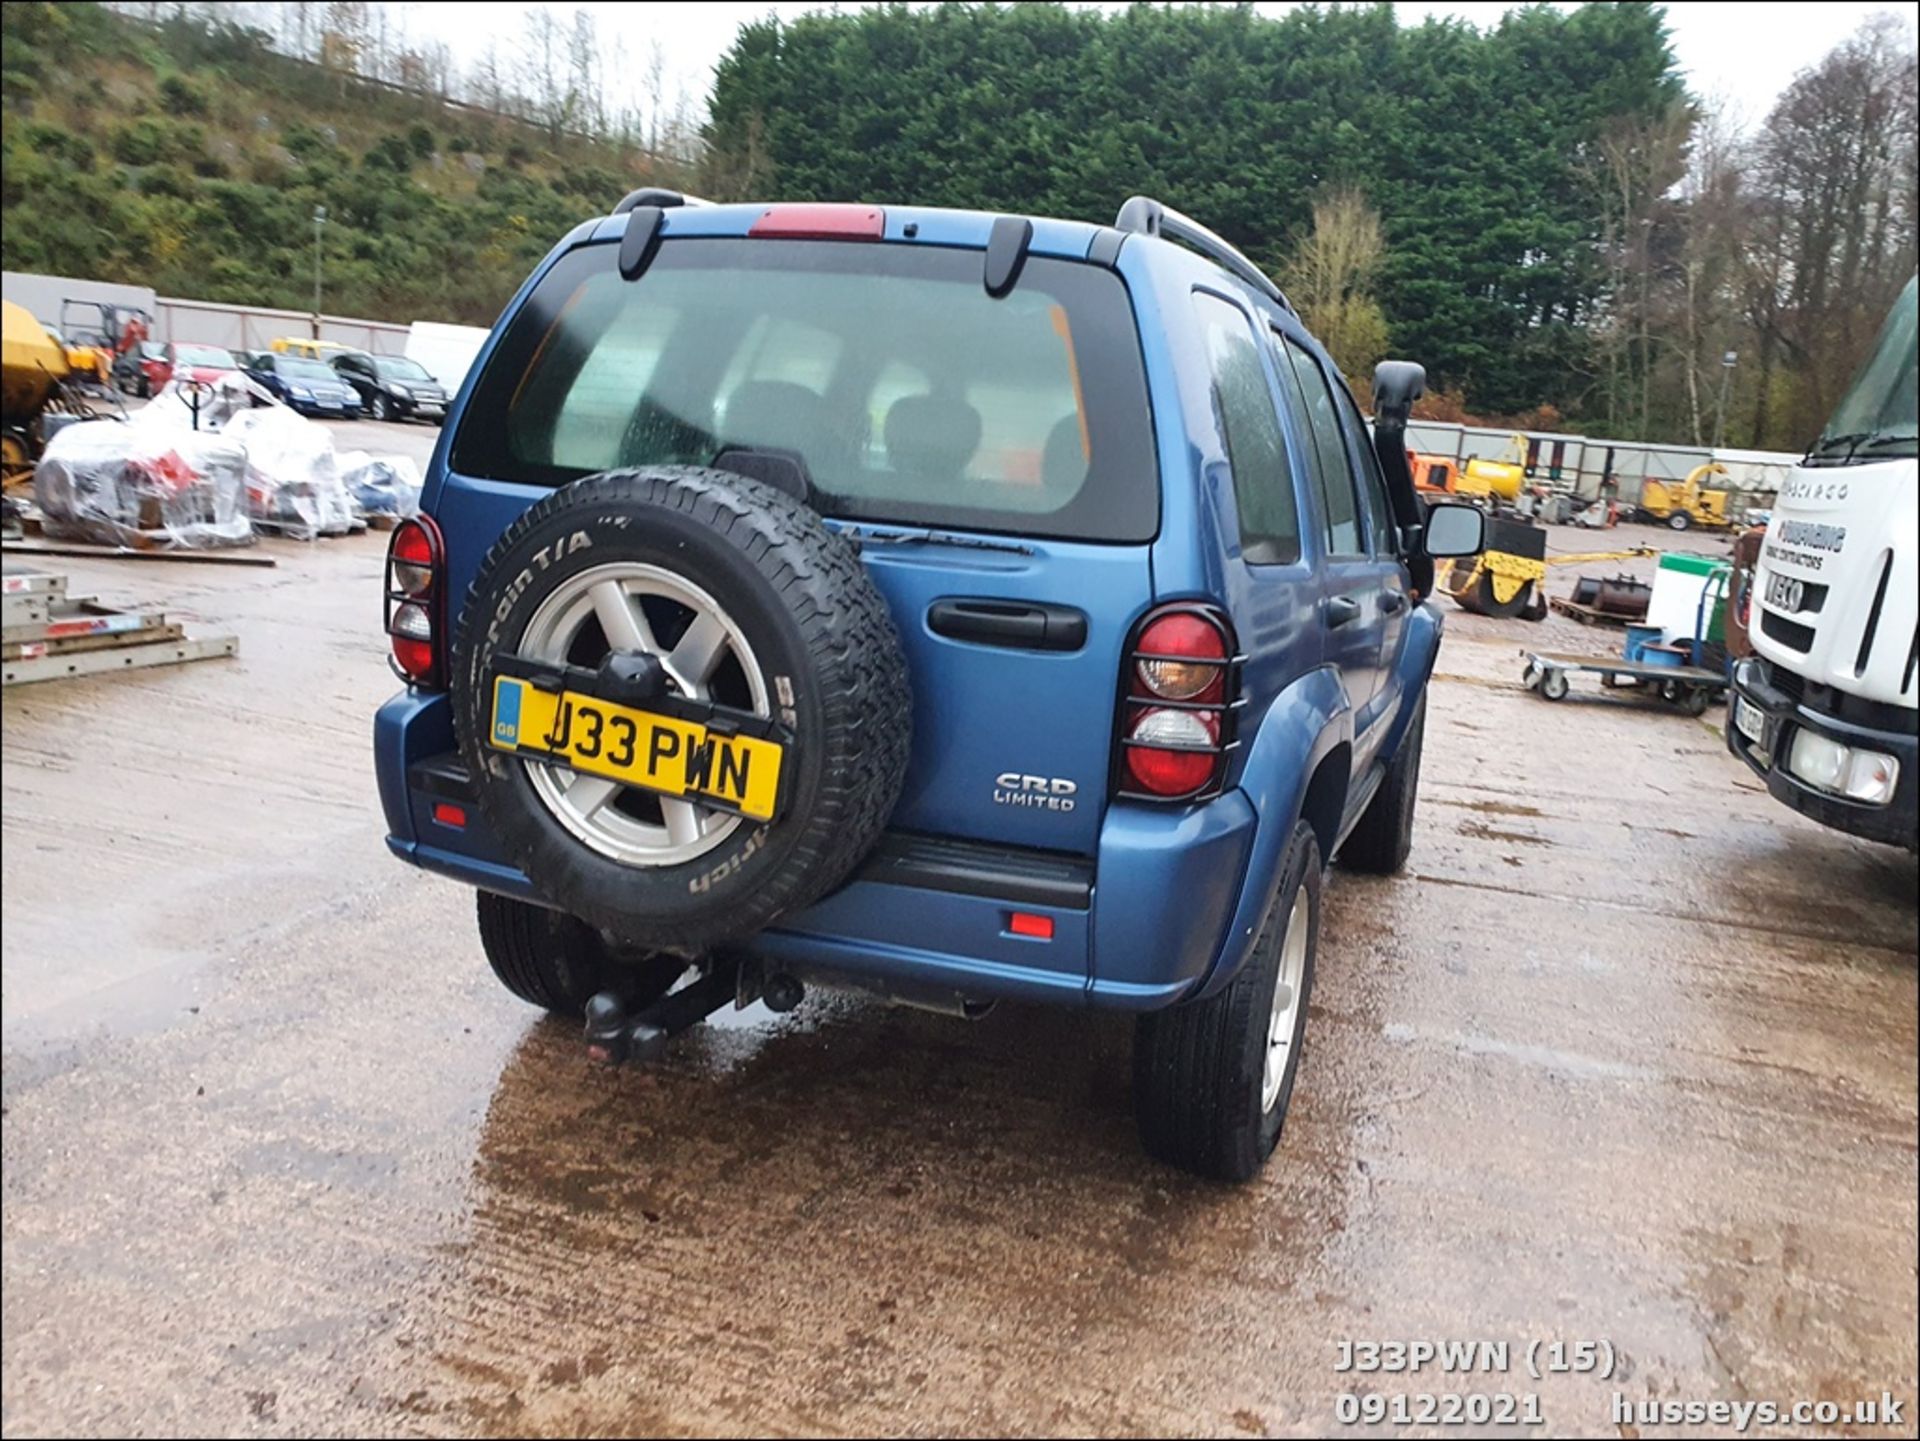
x=1143, y=215
x=640, y=241
x=660, y=199
x=1007, y=246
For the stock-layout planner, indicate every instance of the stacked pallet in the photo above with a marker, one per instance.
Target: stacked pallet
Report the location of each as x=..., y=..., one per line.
x=46, y=634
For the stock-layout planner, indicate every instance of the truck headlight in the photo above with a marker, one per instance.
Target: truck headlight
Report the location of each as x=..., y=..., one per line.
x=1860, y=775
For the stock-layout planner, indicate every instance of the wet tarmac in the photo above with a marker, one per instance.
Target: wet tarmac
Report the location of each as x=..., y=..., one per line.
x=1628, y=1056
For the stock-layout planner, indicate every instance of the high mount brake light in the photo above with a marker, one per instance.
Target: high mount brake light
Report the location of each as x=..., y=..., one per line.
x=820, y=222
x=416, y=609
x=1179, y=694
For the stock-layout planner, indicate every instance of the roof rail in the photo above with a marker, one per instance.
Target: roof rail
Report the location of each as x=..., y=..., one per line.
x=655, y=196
x=1143, y=215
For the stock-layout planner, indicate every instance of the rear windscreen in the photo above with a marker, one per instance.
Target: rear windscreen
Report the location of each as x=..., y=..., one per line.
x=908, y=392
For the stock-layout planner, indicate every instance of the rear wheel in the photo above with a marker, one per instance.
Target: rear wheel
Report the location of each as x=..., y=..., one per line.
x=1680, y=520
x=1382, y=840
x=1212, y=1079
x=558, y=963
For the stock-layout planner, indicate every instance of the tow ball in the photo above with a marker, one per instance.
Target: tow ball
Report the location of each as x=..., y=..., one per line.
x=616, y=1033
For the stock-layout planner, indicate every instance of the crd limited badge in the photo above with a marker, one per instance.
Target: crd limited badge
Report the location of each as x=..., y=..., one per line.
x=1010, y=788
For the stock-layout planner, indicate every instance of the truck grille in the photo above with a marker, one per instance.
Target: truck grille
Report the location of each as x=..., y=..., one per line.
x=1784, y=681
x=1787, y=632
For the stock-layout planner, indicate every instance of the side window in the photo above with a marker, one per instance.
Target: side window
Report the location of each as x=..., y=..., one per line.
x=1262, y=483
x=1340, y=502
x=1373, y=485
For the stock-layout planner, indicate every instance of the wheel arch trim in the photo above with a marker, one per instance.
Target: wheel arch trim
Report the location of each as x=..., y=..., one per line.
x=1303, y=726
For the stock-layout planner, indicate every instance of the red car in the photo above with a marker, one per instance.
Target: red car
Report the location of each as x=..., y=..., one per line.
x=196, y=362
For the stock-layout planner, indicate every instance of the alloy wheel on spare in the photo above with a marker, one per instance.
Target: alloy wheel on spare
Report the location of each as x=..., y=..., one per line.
x=636, y=646
x=630, y=608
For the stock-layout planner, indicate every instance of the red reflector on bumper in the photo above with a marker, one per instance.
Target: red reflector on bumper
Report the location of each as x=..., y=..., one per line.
x=1025, y=923
x=449, y=815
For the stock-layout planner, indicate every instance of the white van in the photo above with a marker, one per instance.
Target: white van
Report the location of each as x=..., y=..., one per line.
x=1827, y=707
x=445, y=351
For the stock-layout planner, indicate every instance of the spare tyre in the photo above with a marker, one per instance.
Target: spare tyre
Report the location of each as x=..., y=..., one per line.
x=708, y=630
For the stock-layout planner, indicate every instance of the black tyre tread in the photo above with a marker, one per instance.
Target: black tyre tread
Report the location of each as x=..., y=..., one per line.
x=558, y=963
x=1382, y=839
x=848, y=634
x=528, y=949
x=1191, y=1062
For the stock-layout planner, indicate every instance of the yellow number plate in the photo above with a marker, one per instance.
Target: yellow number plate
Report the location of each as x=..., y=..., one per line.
x=636, y=747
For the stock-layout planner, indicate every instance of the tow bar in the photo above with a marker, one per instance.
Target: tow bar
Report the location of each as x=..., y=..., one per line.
x=615, y=1034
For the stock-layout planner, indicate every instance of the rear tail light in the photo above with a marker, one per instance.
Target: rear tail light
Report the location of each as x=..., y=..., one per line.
x=416, y=610
x=1179, y=696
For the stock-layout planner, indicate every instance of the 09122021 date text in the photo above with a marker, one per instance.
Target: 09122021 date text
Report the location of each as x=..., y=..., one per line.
x=1422, y=1408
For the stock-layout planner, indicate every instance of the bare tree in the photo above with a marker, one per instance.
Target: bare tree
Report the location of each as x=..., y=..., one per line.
x=1709, y=218
x=1833, y=234
x=1330, y=278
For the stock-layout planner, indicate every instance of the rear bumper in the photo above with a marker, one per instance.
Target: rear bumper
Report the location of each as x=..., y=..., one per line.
x=1894, y=823
x=1137, y=927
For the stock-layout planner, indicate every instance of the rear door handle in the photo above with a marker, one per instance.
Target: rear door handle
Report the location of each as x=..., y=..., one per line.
x=1020, y=625
x=1391, y=601
x=1340, y=610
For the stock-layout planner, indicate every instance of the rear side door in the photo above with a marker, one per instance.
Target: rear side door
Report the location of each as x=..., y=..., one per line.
x=1351, y=607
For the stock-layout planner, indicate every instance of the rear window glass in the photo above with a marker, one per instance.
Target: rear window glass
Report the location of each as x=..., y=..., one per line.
x=910, y=394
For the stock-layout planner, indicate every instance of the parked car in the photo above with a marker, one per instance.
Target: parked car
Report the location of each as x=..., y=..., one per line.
x=952, y=605
x=391, y=387
x=308, y=386
x=310, y=349
x=193, y=362
x=143, y=369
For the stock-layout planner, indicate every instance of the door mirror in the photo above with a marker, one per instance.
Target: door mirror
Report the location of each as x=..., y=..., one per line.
x=1454, y=530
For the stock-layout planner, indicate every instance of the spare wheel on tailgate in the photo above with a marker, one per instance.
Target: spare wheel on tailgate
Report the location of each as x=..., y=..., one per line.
x=683, y=703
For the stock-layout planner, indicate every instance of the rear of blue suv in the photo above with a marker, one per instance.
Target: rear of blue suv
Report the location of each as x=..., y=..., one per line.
x=964, y=607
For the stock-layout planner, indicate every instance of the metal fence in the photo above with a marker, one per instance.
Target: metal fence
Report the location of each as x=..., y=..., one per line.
x=193, y=322
x=253, y=327
x=1583, y=466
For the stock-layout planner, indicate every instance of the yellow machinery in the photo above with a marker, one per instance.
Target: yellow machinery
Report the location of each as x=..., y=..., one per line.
x=32, y=365
x=1479, y=481
x=36, y=378
x=1487, y=481
x=1687, y=504
x=84, y=360
x=1506, y=578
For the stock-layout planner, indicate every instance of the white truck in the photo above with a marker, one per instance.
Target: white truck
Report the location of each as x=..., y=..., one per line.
x=1826, y=709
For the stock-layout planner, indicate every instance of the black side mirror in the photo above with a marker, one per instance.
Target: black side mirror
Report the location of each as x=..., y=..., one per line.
x=1454, y=530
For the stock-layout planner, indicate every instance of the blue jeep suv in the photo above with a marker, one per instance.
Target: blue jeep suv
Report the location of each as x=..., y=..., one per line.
x=952, y=605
